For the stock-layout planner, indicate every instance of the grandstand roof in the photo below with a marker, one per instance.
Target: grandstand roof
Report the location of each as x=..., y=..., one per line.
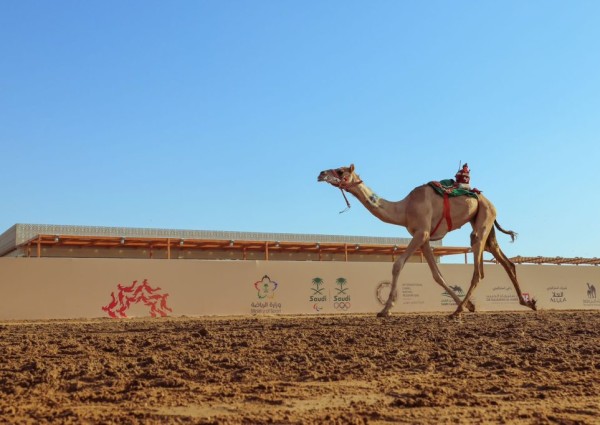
x=556, y=260
x=31, y=239
x=98, y=241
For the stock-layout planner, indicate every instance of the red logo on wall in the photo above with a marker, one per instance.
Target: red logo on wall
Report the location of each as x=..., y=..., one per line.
x=134, y=294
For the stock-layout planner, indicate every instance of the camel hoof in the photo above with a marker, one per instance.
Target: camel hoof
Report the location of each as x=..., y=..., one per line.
x=456, y=314
x=471, y=307
x=533, y=304
x=383, y=313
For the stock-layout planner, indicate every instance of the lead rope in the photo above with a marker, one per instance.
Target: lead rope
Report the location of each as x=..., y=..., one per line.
x=356, y=183
x=347, y=202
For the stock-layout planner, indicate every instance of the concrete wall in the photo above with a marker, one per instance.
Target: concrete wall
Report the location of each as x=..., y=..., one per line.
x=60, y=288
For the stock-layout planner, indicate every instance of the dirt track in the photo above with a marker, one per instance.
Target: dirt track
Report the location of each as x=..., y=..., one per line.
x=526, y=367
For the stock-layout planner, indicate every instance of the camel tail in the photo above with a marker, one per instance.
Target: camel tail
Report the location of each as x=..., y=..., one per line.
x=513, y=235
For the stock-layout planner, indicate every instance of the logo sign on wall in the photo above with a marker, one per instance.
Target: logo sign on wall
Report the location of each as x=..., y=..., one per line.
x=265, y=297
x=144, y=294
x=383, y=292
x=447, y=299
x=557, y=294
x=320, y=297
x=412, y=292
x=341, y=300
x=502, y=294
x=591, y=299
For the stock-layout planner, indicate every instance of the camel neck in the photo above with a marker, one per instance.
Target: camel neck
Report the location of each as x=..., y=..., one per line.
x=386, y=211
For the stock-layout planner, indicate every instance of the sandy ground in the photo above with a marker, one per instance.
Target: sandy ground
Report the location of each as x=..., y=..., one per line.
x=530, y=367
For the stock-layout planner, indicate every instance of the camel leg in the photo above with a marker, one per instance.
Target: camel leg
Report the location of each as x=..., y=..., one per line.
x=484, y=223
x=474, y=281
x=419, y=238
x=493, y=247
x=477, y=260
x=437, y=275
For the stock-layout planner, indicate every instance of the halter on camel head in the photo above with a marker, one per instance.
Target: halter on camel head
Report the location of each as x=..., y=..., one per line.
x=343, y=178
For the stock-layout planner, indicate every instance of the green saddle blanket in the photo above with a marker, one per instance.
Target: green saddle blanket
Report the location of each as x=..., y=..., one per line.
x=449, y=187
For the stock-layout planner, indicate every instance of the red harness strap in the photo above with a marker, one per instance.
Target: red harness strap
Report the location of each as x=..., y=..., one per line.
x=445, y=214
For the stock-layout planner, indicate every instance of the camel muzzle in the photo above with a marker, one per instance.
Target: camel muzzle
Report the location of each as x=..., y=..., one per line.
x=329, y=177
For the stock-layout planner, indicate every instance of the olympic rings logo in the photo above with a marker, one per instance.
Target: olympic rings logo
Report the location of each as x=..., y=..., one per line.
x=341, y=305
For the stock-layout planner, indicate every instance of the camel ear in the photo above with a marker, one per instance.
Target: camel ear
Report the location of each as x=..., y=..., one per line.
x=351, y=168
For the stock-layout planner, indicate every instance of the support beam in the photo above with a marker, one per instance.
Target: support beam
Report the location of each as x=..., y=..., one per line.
x=223, y=248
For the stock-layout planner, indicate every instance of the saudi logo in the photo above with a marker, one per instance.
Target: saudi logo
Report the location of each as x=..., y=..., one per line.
x=341, y=283
x=341, y=300
x=317, y=283
x=318, y=296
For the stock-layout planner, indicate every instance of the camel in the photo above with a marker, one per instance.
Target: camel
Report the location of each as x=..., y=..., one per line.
x=423, y=214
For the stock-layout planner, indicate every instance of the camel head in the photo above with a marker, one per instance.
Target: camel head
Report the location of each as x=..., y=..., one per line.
x=342, y=177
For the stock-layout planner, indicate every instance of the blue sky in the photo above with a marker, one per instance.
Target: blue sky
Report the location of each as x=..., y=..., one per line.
x=219, y=115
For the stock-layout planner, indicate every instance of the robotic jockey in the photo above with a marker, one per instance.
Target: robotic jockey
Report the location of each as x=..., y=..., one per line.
x=463, y=178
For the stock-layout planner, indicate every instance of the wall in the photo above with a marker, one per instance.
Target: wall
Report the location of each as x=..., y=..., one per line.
x=61, y=288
